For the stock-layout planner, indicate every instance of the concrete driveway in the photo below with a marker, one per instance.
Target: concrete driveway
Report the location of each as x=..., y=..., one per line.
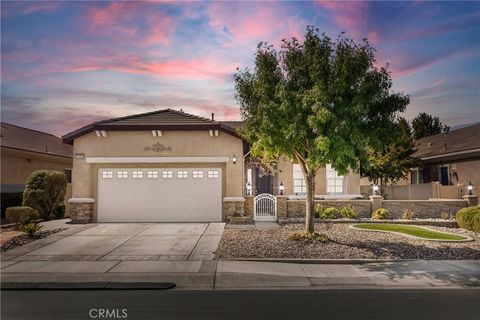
x=126, y=241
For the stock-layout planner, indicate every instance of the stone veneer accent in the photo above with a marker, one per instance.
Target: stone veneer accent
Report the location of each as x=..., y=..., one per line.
x=81, y=209
x=233, y=206
x=248, y=206
x=296, y=208
x=423, y=209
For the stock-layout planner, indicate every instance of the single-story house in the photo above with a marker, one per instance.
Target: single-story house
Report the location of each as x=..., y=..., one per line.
x=451, y=159
x=24, y=151
x=171, y=166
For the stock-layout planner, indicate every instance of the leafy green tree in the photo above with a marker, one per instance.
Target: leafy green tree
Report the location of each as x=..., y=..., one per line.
x=317, y=102
x=425, y=125
x=393, y=160
x=45, y=191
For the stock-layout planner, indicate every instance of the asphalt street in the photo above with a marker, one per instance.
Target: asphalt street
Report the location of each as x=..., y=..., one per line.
x=457, y=304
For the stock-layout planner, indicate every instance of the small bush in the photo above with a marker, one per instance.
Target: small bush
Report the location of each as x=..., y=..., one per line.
x=348, y=212
x=31, y=229
x=21, y=215
x=307, y=236
x=380, y=214
x=469, y=218
x=446, y=216
x=326, y=213
x=59, y=212
x=407, y=214
x=10, y=199
x=45, y=191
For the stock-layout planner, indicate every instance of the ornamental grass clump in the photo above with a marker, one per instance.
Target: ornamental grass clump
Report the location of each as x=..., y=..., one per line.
x=407, y=214
x=307, y=236
x=348, y=212
x=380, y=214
x=326, y=213
x=469, y=218
x=31, y=229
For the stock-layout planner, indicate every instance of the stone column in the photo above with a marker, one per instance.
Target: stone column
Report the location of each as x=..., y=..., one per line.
x=376, y=202
x=248, y=205
x=282, y=207
x=81, y=209
x=472, y=200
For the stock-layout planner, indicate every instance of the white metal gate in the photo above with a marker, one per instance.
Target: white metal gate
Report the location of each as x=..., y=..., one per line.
x=265, y=207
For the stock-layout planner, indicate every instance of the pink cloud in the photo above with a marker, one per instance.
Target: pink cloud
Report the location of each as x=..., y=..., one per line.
x=29, y=7
x=350, y=16
x=135, y=20
x=253, y=21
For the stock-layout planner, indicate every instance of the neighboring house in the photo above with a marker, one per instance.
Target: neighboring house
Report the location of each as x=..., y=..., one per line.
x=172, y=166
x=24, y=151
x=451, y=159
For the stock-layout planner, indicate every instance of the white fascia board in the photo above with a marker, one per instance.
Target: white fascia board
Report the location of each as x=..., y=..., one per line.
x=155, y=159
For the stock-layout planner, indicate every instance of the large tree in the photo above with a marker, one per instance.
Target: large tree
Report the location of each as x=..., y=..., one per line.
x=393, y=159
x=425, y=125
x=317, y=102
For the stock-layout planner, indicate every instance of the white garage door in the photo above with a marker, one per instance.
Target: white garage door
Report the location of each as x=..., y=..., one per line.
x=159, y=195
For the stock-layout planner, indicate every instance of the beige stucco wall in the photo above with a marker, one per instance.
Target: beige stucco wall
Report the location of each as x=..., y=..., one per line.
x=467, y=171
x=17, y=165
x=285, y=175
x=133, y=143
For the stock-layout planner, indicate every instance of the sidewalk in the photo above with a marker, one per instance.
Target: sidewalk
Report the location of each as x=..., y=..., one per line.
x=418, y=274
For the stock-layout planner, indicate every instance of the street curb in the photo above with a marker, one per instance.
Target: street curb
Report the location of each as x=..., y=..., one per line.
x=87, y=285
x=320, y=261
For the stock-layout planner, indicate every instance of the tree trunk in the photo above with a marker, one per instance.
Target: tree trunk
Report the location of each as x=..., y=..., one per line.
x=309, y=222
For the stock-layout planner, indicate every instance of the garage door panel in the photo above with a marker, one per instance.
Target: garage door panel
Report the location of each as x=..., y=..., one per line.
x=169, y=197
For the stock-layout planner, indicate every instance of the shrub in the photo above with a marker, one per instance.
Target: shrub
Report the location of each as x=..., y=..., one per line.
x=31, y=229
x=407, y=214
x=307, y=236
x=21, y=215
x=59, y=212
x=10, y=199
x=348, y=212
x=45, y=190
x=326, y=213
x=446, y=216
x=469, y=218
x=380, y=214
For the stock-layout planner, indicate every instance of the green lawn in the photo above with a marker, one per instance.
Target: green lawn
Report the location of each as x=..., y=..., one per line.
x=410, y=230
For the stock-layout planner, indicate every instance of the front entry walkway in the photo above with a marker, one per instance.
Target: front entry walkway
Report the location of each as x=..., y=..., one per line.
x=124, y=242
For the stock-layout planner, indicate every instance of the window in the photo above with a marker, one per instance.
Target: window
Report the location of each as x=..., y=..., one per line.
x=212, y=174
x=417, y=176
x=182, y=174
x=122, y=174
x=68, y=175
x=107, y=174
x=167, y=174
x=335, y=182
x=137, y=174
x=197, y=174
x=299, y=184
x=152, y=174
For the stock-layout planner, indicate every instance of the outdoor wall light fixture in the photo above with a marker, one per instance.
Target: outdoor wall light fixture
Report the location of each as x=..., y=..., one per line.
x=281, y=188
x=234, y=159
x=249, y=188
x=104, y=133
x=470, y=188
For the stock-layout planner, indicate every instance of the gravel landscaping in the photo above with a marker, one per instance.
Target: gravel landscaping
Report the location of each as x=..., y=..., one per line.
x=345, y=243
x=24, y=239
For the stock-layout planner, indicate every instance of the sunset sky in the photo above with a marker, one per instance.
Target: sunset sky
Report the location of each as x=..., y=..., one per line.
x=66, y=64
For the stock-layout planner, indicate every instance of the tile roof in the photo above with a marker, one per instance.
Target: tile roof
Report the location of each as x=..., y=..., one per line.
x=20, y=138
x=165, y=119
x=233, y=124
x=458, y=140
